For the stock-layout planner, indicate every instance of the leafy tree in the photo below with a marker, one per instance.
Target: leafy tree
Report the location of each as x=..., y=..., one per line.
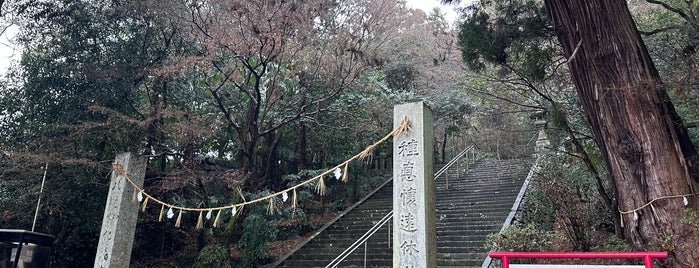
x=635, y=99
x=281, y=86
x=669, y=30
x=77, y=98
x=272, y=64
x=644, y=143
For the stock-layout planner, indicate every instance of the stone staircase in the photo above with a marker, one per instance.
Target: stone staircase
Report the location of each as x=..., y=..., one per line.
x=470, y=205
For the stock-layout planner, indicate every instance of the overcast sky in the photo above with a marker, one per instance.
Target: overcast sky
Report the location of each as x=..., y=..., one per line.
x=428, y=5
x=6, y=49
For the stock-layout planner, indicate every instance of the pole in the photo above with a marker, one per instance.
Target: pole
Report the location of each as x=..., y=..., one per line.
x=41, y=191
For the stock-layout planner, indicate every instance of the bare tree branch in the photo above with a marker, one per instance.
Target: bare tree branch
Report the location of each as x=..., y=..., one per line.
x=671, y=8
x=659, y=30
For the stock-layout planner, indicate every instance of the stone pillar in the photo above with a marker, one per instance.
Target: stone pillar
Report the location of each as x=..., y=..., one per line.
x=542, y=141
x=120, y=213
x=414, y=234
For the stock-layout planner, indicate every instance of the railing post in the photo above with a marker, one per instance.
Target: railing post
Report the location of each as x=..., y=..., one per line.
x=505, y=262
x=365, y=254
x=389, y=234
x=446, y=177
x=648, y=261
x=458, y=168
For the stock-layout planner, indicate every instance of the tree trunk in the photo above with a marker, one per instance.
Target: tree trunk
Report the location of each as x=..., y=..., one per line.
x=273, y=141
x=444, y=148
x=302, y=146
x=645, y=147
x=249, y=139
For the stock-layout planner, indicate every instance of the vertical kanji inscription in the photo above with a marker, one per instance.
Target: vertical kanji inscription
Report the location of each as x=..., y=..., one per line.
x=413, y=191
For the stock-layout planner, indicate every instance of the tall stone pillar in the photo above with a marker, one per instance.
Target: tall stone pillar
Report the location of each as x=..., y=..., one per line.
x=120, y=213
x=414, y=234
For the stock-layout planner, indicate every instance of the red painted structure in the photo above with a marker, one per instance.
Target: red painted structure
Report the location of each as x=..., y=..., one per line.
x=646, y=256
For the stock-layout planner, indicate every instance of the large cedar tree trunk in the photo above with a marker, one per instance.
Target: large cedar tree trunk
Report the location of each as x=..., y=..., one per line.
x=646, y=148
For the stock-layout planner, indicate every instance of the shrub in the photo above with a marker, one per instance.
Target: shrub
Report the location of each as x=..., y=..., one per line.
x=525, y=238
x=564, y=198
x=213, y=256
x=257, y=233
x=614, y=243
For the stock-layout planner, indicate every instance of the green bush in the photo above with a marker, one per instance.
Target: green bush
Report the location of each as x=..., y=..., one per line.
x=564, y=197
x=525, y=238
x=213, y=256
x=614, y=243
x=257, y=233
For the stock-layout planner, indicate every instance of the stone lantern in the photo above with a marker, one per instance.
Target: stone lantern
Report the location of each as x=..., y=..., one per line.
x=542, y=141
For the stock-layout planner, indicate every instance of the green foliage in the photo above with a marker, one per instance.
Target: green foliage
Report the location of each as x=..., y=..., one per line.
x=254, y=240
x=515, y=34
x=71, y=210
x=563, y=197
x=690, y=218
x=614, y=243
x=400, y=77
x=213, y=256
x=672, y=41
x=75, y=101
x=525, y=238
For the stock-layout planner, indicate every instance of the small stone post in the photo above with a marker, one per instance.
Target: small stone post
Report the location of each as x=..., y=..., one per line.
x=120, y=213
x=414, y=234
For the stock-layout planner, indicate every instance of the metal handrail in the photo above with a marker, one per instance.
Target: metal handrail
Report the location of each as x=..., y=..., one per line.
x=361, y=240
x=388, y=217
x=451, y=162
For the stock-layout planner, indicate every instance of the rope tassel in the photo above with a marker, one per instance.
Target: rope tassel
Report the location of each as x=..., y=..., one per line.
x=162, y=210
x=240, y=192
x=344, y=174
x=294, y=201
x=200, y=221
x=403, y=127
x=179, y=219
x=145, y=203
x=621, y=219
x=320, y=188
x=134, y=196
x=270, y=208
x=218, y=219
x=293, y=204
x=652, y=209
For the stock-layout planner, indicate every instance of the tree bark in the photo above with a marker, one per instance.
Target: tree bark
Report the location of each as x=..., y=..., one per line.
x=273, y=140
x=646, y=148
x=444, y=147
x=302, y=146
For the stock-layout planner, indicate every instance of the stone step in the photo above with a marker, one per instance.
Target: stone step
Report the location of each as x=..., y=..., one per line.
x=474, y=205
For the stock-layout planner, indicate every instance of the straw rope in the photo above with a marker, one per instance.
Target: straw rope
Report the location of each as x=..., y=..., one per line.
x=403, y=127
x=650, y=203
